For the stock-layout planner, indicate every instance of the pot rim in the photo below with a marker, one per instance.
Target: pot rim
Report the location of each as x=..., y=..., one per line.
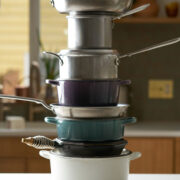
x=88, y=52
x=126, y=155
x=91, y=80
x=61, y=119
x=55, y=105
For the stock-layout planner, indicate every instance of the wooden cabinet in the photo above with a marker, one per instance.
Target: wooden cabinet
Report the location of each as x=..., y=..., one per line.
x=177, y=156
x=16, y=157
x=157, y=155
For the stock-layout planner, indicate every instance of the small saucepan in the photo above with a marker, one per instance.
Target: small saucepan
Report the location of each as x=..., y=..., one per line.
x=88, y=92
x=90, y=130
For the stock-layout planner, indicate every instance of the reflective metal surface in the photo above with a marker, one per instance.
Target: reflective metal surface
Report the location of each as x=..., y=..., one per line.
x=66, y=6
x=88, y=64
x=90, y=112
x=89, y=31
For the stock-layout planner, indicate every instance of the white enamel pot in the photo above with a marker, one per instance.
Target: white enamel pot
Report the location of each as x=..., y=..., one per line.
x=72, y=168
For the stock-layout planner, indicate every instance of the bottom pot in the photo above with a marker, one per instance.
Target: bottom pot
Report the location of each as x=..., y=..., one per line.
x=70, y=168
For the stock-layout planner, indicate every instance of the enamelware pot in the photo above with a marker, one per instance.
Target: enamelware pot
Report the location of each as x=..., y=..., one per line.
x=93, y=130
x=88, y=92
x=90, y=149
x=72, y=168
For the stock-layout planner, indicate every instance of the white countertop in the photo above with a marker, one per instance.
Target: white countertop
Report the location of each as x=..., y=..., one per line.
x=148, y=129
x=47, y=177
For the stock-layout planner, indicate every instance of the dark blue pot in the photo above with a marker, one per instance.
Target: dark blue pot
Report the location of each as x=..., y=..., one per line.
x=95, y=130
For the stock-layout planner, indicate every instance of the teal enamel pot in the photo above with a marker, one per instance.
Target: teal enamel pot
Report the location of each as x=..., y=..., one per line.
x=94, y=130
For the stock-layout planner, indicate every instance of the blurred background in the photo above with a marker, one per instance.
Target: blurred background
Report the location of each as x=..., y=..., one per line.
x=29, y=27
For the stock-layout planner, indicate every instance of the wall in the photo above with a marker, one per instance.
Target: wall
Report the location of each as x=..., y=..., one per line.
x=14, y=32
x=53, y=28
x=159, y=64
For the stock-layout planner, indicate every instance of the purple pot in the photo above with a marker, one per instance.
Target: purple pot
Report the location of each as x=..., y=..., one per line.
x=88, y=92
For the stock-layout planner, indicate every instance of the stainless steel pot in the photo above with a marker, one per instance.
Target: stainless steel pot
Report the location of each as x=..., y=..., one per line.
x=66, y=6
x=93, y=30
x=89, y=31
x=88, y=64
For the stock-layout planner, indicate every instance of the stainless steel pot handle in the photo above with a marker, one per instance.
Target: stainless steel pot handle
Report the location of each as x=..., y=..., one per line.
x=20, y=98
x=133, y=11
x=166, y=43
x=54, y=54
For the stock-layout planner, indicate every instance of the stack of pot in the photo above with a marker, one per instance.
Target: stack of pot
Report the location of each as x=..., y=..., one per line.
x=90, y=145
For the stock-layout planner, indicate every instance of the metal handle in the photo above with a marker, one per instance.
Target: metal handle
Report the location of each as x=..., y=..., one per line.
x=54, y=54
x=128, y=120
x=135, y=155
x=133, y=11
x=53, y=82
x=166, y=43
x=20, y=98
x=51, y=120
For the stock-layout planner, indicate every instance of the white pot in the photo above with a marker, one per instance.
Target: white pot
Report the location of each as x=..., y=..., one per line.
x=72, y=168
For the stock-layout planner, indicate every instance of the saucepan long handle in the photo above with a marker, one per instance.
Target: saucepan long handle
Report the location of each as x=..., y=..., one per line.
x=20, y=98
x=133, y=11
x=163, y=44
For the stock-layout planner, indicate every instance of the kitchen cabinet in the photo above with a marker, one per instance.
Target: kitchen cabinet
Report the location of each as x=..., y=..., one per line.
x=16, y=157
x=157, y=155
x=177, y=156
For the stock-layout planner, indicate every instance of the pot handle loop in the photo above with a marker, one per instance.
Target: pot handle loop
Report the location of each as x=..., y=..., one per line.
x=44, y=154
x=50, y=120
x=54, y=54
x=129, y=120
x=135, y=155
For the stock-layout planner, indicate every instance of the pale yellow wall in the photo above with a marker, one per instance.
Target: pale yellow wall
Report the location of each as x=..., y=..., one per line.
x=53, y=27
x=14, y=30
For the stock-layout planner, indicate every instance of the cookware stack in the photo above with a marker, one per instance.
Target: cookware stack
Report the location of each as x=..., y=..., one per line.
x=88, y=82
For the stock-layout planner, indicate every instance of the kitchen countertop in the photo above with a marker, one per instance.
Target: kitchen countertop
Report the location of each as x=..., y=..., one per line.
x=148, y=129
x=131, y=176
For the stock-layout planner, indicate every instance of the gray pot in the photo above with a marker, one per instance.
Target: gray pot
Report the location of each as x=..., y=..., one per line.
x=89, y=31
x=88, y=64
